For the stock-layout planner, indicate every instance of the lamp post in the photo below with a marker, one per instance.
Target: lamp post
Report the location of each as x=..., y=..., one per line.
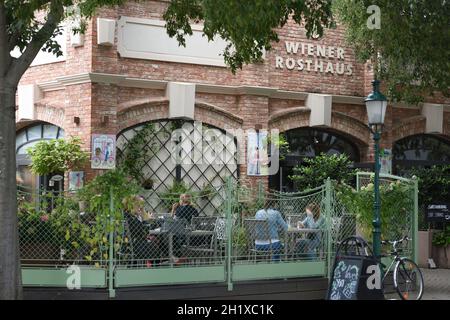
x=376, y=104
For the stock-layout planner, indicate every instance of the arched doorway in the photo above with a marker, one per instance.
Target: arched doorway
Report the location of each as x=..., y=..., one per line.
x=194, y=153
x=420, y=151
x=309, y=143
x=25, y=139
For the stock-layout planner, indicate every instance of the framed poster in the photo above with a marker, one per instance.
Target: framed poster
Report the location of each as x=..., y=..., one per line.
x=76, y=180
x=103, y=151
x=257, y=154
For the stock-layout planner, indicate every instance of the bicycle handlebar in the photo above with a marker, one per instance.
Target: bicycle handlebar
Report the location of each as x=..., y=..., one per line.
x=406, y=238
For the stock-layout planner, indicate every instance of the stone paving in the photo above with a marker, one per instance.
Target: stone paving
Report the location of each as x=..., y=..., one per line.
x=437, y=284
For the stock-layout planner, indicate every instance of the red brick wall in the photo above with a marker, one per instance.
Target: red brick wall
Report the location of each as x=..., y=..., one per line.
x=125, y=106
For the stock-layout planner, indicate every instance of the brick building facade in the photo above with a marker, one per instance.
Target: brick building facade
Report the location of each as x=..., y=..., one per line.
x=111, y=86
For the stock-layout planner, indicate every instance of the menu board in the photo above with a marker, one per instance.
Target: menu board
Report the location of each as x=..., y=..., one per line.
x=345, y=279
x=438, y=212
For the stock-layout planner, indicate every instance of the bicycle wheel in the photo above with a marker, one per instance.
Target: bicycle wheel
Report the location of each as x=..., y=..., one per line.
x=408, y=280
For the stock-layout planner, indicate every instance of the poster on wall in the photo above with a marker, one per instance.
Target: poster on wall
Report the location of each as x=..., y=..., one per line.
x=386, y=161
x=76, y=180
x=257, y=155
x=103, y=151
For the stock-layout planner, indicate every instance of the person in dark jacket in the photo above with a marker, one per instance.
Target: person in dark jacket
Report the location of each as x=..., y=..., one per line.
x=184, y=209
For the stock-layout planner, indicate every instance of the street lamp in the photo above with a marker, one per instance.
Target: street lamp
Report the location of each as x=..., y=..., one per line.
x=376, y=104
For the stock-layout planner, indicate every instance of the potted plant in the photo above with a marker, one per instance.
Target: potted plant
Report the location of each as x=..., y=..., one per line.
x=147, y=183
x=207, y=191
x=57, y=156
x=441, y=248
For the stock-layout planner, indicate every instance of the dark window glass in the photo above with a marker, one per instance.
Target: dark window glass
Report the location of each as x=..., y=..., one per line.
x=309, y=143
x=420, y=151
x=422, y=148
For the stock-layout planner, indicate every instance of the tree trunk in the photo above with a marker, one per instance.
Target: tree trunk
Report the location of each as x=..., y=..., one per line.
x=10, y=274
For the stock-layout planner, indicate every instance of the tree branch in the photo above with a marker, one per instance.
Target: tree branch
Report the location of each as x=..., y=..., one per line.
x=21, y=64
x=4, y=53
x=15, y=36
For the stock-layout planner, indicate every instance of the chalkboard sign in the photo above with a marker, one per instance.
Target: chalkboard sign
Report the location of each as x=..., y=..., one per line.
x=438, y=212
x=353, y=271
x=346, y=274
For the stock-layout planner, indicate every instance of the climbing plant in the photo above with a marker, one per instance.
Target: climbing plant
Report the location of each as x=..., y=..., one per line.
x=137, y=152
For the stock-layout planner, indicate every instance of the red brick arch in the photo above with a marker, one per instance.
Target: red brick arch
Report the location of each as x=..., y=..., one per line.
x=408, y=127
x=132, y=114
x=341, y=123
x=45, y=113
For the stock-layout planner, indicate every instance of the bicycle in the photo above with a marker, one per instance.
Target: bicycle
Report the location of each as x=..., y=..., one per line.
x=408, y=279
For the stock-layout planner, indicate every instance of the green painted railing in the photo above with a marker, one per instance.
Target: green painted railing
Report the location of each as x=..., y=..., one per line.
x=112, y=275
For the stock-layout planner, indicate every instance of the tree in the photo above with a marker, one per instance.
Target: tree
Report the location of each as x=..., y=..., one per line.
x=410, y=49
x=249, y=26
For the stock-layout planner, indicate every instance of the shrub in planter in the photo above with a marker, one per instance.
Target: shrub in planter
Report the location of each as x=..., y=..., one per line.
x=441, y=248
x=37, y=236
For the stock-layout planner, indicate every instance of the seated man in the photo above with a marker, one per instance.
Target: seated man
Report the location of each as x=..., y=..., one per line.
x=276, y=223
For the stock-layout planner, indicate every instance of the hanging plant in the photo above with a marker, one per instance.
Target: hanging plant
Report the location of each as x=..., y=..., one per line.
x=147, y=184
x=57, y=156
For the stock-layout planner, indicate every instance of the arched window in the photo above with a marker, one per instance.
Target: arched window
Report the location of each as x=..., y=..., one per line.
x=420, y=151
x=27, y=138
x=309, y=143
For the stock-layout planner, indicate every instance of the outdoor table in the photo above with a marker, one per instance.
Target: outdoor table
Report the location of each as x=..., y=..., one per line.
x=189, y=233
x=292, y=234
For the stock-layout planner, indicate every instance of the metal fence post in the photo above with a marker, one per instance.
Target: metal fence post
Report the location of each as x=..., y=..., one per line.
x=229, y=251
x=415, y=221
x=328, y=208
x=112, y=292
x=357, y=181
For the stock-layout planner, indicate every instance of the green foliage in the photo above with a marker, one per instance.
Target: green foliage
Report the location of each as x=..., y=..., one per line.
x=97, y=194
x=207, y=191
x=137, y=153
x=34, y=225
x=316, y=170
x=434, y=183
x=411, y=47
x=82, y=237
x=24, y=25
x=442, y=238
x=396, y=207
x=280, y=143
x=434, y=186
x=250, y=27
x=57, y=156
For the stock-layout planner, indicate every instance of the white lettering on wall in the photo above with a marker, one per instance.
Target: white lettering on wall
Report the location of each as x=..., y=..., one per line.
x=335, y=65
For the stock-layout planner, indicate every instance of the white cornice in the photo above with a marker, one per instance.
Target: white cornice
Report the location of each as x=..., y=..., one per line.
x=59, y=83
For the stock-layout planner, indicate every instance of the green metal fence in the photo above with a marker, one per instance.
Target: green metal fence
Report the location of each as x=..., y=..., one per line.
x=254, y=234
x=404, y=222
